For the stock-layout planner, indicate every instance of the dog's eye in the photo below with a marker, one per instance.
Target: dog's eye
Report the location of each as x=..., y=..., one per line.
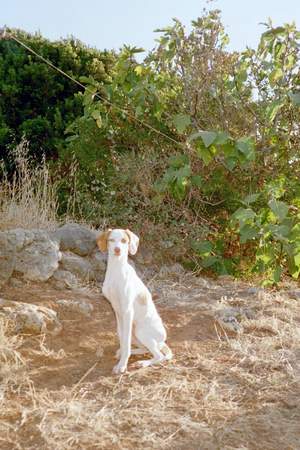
x=123, y=241
x=111, y=240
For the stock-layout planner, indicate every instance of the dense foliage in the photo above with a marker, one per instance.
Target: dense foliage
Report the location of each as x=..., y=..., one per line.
x=196, y=142
x=37, y=102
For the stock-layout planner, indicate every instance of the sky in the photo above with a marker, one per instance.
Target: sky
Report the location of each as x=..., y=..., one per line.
x=107, y=24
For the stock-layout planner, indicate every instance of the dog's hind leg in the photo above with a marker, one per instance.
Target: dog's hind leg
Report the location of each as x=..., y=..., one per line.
x=166, y=351
x=153, y=348
x=139, y=350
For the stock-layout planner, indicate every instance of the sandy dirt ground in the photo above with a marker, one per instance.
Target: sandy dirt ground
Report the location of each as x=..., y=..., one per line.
x=224, y=389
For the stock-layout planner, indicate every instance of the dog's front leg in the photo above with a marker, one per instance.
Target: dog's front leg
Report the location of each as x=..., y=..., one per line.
x=119, y=331
x=125, y=341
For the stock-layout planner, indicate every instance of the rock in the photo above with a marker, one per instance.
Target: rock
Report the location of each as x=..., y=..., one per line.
x=16, y=282
x=7, y=257
x=76, y=238
x=79, y=306
x=230, y=318
x=37, y=255
x=174, y=269
x=20, y=237
x=254, y=290
x=294, y=294
x=98, y=261
x=229, y=323
x=204, y=283
x=167, y=244
x=30, y=318
x=65, y=279
x=81, y=267
x=144, y=256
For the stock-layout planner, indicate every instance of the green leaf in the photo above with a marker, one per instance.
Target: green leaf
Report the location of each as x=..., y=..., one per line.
x=297, y=260
x=247, y=232
x=250, y=198
x=280, y=209
x=231, y=162
x=138, y=111
x=273, y=109
x=277, y=274
x=266, y=255
x=246, y=146
x=179, y=190
x=209, y=261
x=178, y=161
x=203, y=247
x=276, y=75
x=88, y=99
x=295, y=273
x=204, y=153
x=295, y=232
x=268, y=282
x=99, y=122
x=281, y=232
x=181, y=122
x=294, y=265
x=193, y=136
x=295, y=98
x=138, y=70
x=208, y=137
x=72, y=138
x=221, y=138
x=197, y=180
x=183, y=172
x=229, y=149
x=274, y=32
x=96, y=115
x=244, y=215
x=84, y=79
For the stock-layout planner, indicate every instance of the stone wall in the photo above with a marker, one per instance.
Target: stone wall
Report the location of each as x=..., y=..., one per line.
x=64, y=255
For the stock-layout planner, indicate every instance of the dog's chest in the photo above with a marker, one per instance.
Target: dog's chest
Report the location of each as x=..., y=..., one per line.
x=117, y=289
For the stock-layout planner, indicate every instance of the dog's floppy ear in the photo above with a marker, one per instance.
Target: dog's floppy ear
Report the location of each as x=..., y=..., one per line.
x=102, y=240
x=133, y=242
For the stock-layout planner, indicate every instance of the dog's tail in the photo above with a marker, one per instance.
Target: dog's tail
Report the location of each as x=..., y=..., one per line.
x=167, y=352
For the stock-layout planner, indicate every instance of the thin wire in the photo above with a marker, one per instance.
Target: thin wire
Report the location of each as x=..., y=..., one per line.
x=145, y=124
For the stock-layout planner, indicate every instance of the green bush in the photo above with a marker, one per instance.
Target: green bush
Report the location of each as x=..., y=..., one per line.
x=176, y=143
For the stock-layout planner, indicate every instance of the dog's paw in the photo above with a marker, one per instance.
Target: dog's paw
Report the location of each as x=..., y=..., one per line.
x=120, y=368
x=141, y=364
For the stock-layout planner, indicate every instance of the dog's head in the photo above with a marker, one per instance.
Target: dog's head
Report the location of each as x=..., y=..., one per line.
x=118, y=242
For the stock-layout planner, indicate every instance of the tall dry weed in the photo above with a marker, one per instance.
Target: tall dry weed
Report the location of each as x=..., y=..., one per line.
x=29, y=199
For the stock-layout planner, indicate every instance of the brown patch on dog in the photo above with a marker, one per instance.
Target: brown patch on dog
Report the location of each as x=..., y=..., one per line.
x=142, y=299
x=102, y=240
x=127, y=234
x=133, y=242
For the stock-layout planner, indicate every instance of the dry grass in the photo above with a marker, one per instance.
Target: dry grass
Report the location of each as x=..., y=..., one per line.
x=29, y=199
x=220, y=392
x=11, y=361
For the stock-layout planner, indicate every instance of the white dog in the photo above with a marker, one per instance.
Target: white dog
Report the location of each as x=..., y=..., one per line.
x=138, y=321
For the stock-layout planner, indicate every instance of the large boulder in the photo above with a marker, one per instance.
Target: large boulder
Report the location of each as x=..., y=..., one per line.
x=76, y=238
x=30, y=318
x=7, y=257
x=79, y=266
x=90, y=268
x=37, y=255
